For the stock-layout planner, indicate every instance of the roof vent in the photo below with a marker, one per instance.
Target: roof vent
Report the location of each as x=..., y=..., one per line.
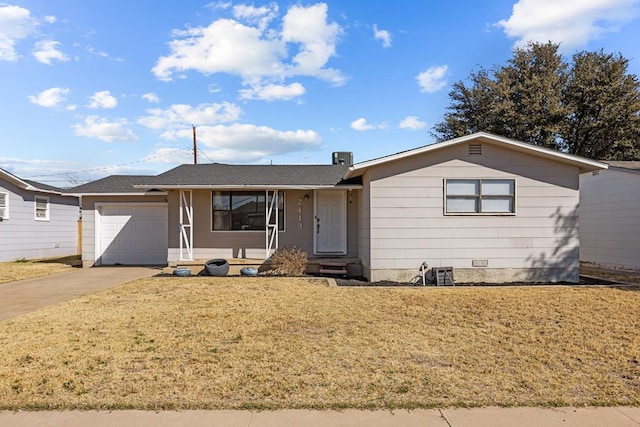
x=475, y=149
x=342, y=158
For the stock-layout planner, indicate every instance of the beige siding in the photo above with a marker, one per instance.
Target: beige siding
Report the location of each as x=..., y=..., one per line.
x=610, y=218
x=298, y=232
x=24, y=237
x=409, y=226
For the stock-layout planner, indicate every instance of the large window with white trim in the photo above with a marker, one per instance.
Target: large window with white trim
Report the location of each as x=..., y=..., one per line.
x=244, y=210
x=41, y=208
x=4, y=206
x=480, y=196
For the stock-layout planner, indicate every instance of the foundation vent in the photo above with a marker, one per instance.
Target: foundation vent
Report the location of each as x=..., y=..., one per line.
x=475, y=149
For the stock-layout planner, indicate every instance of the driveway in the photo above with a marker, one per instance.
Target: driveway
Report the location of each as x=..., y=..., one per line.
x=29, y=295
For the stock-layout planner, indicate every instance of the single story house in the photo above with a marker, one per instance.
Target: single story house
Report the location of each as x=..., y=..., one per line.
x=494, y=209
x=610, y=216
x=36, y=220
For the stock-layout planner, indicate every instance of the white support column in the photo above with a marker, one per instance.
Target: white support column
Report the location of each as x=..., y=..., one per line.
x=272, y=226
x=186, y=225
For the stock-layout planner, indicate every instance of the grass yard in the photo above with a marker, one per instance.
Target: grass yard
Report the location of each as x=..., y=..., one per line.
x=29, y=269
x=267, y=343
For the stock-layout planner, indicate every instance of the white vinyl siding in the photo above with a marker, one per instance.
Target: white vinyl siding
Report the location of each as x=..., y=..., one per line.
x=4, y=206
x=610, y=218
x=41, y=208
x=480, y=196
x=409, y=225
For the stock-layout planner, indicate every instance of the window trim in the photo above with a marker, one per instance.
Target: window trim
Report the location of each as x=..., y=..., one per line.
x=479, y=197
x=35, y=208
x=5, y=206
x=282, y=193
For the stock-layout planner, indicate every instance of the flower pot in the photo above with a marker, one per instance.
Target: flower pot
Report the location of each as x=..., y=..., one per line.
x=249, y=271
x=182, y=272
x=217, y=267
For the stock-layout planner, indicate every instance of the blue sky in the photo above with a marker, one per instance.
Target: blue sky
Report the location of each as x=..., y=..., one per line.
x=93, y=88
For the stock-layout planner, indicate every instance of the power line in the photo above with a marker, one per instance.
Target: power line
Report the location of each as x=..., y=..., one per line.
x=103, y=168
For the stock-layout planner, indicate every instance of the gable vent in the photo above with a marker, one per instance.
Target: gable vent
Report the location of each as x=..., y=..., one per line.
x=475, y=149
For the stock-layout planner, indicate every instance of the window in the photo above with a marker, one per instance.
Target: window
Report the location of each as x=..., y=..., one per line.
x=480, y=196
x=4, y=206
x=41, y=208
x=244, y=210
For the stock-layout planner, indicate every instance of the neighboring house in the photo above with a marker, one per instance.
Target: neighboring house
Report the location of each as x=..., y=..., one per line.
x=610, y=216
x=494, y=209
x=36, y=220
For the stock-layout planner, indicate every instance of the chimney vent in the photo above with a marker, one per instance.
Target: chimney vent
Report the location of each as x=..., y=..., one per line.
x=342, y=158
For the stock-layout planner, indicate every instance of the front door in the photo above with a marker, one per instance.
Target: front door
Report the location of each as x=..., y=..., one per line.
x=331, y=222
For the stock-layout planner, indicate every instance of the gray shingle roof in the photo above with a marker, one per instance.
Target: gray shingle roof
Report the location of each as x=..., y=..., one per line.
x=42, y=186
x=633, y=165
x=218, y=174
x=113, y=184
x=222, y=175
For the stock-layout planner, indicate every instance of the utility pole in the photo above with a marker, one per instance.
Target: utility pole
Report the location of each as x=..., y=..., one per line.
x=195, y=146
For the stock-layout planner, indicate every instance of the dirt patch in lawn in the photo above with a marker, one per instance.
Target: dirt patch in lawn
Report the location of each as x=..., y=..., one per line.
x=266, y=343
x=29, y=269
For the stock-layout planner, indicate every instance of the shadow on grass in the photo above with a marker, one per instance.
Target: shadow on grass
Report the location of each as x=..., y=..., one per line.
x=71, y=260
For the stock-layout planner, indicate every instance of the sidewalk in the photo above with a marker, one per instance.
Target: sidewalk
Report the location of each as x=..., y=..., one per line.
x=476, y=417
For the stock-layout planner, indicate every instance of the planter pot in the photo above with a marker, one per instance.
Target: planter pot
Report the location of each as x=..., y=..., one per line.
x=249, y=271
x=182, y=272
x=217, y=267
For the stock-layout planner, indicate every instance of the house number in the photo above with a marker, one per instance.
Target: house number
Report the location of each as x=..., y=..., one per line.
x=299, y=210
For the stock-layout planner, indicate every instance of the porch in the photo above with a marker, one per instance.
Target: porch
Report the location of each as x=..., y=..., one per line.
x=353, y=265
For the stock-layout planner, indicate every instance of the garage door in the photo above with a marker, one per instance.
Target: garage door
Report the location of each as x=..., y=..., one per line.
x=133, y=235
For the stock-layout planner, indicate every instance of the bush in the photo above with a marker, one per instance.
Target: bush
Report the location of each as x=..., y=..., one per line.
x=289, y=262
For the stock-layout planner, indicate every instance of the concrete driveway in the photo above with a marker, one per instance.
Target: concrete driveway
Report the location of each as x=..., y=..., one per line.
x=24, y=296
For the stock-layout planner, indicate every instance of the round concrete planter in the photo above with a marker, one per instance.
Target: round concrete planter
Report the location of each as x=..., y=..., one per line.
x=217, y=267
x=182, y=272
x=249, y=271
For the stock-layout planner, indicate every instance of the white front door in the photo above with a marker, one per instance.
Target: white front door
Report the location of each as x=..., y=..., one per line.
x=331, y=222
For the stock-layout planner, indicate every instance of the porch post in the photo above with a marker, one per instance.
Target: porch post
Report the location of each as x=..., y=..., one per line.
x=186, y=225
x=271, y=221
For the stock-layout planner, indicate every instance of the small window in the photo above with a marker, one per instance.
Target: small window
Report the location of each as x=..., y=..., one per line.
x=244, y=210
x=42, y=208
x=479, y=196
x=4, y=206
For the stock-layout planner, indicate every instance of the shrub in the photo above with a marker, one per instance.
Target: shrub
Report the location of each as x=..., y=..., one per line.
x=289, y=262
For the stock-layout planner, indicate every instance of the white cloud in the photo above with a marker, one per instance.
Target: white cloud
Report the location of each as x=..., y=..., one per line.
x=50, y=98
x=361, y=125
x=246, y=142
x=413, y=123
x=103, y=99
x=260, y=16
x=151, y=97
x=105, y=130
x=47, y=50
x=183, y=115
x=225, y=46
x=16, y=23
x=273, y=92
x=317, y=39
x=572, y=23
x=433, y=79
x=383, y=35
x=257, y=49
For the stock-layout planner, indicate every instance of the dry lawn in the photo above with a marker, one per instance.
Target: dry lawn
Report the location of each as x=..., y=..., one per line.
x=29, y=269
x=258, y=343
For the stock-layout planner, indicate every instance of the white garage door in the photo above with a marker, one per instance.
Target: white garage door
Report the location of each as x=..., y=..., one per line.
x=133, y=235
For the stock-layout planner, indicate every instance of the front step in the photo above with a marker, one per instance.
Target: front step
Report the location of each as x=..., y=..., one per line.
x=333, y=268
